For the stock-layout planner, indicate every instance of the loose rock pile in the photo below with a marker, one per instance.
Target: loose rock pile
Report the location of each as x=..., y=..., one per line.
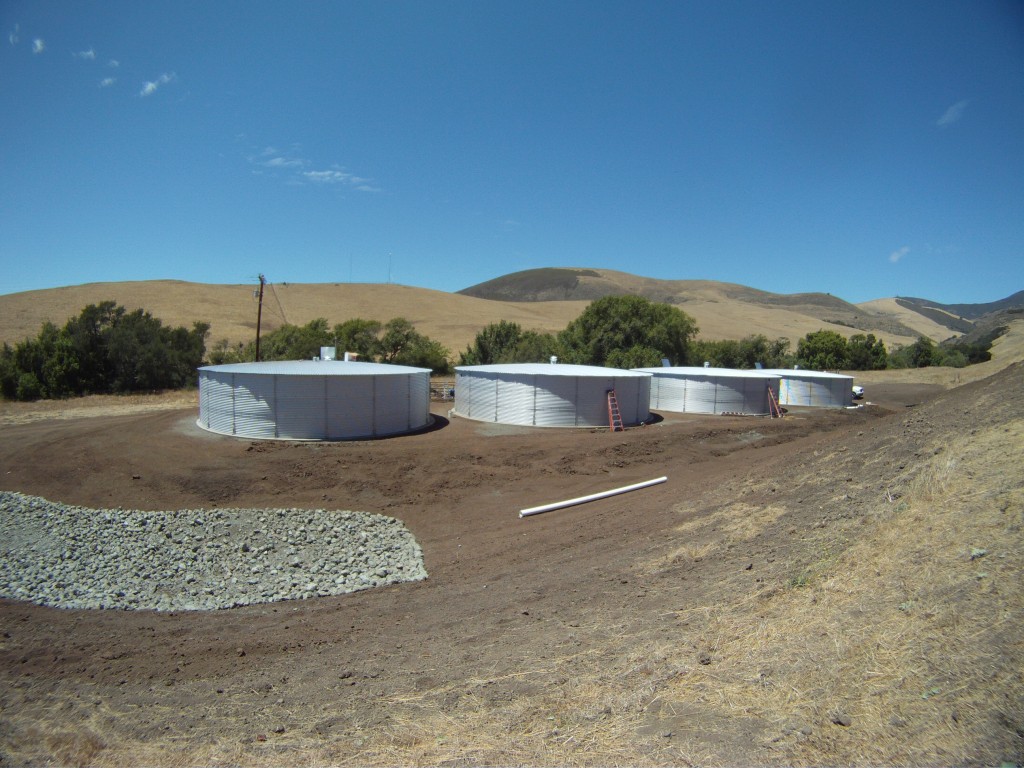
x=194, y=559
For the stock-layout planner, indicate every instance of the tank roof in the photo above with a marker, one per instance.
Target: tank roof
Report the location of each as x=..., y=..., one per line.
x=739, y=373
x=802, y=372
x=548, y=369
x=315, y=368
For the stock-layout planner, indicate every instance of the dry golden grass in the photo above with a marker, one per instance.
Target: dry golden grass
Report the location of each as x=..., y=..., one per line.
x=12, y=412
x=721, y=311
x=910, y=318
x=893, y=630
x=733, y=524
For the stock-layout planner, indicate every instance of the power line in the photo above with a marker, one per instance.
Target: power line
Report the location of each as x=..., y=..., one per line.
x=278, y=300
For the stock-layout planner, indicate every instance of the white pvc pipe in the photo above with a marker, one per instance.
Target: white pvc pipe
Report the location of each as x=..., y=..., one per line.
x=591, y=497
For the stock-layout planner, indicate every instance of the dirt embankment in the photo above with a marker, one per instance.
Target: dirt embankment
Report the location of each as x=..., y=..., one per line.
x=833, y=587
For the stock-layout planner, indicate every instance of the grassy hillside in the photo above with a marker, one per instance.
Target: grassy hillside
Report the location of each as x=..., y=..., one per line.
x=231, y=309
x=967, y=311
x=721, y=310
x=910, y=317
x=541, y=285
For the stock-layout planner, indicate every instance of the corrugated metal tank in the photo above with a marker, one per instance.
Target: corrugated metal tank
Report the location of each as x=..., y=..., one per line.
x=814, y=388
x=313, y=400
x=550, y=395
x=712, y=390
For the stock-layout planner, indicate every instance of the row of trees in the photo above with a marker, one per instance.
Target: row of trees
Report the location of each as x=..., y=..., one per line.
x=396, y=341
x=623, y=332
x=632, y=332
x=106, y=349
x=828, y=350
x=615, y=331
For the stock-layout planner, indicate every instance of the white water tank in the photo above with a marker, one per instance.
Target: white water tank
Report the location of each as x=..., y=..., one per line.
x=819, y=389
x=712, y=390
x=313, y=400
x=550, y=394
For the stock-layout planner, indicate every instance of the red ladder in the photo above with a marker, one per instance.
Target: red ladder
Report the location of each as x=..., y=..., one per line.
x=773, y=404
x=614, y=416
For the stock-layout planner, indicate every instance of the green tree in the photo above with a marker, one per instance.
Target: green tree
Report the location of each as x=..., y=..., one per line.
x=402, y=344
x=295, y=342
x=822, y=350
x=922, y=353
x=29, y=387
x=88, y=334
x=507, y=342
x=535, y=347
x=359, y=336
x=637, y=356
x=760, y=349
x=135, y=356
x=953, y=358
x=46, y=365
x=104, y=349
x=723, y=353
x=496, y=343
x=8, y=373
x=29, y=358
x=866, y=353
x=399, y=335
x=424, y=352
x=632, y=325
x=223, y=352
x=144, y=355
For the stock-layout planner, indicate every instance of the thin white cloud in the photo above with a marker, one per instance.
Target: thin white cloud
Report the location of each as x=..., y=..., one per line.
x=38, y=45
x=327, y=177
x=14, y=37
x=150, y=87
x=89, y=55
x=283, y=162
x=899, y=253
x=106, y=82
x=273, y=159
x=953, y=114
x=338, y=176
x=113, y=63
x=295, y=170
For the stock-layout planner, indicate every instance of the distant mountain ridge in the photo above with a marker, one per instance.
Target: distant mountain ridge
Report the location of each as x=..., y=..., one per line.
x=569, y=284
x=961, y=317
x=579, y=284
x=972, y=311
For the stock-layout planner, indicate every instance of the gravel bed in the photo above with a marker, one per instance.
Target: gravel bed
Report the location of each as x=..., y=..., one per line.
x=194, y=559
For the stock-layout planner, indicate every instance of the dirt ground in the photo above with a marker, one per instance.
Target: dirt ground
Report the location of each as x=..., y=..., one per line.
x=565, y=638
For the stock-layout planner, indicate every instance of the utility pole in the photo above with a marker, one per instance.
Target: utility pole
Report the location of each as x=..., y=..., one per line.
x=259, y=317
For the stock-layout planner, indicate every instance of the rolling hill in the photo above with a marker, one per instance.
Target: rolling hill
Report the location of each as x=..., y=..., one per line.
x=543, y=300
x=896, y=317
x=966, y=311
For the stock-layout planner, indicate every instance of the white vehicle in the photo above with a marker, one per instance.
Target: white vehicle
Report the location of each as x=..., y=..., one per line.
x=858, y=393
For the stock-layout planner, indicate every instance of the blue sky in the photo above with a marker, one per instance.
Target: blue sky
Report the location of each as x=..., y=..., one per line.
x=865, y=149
